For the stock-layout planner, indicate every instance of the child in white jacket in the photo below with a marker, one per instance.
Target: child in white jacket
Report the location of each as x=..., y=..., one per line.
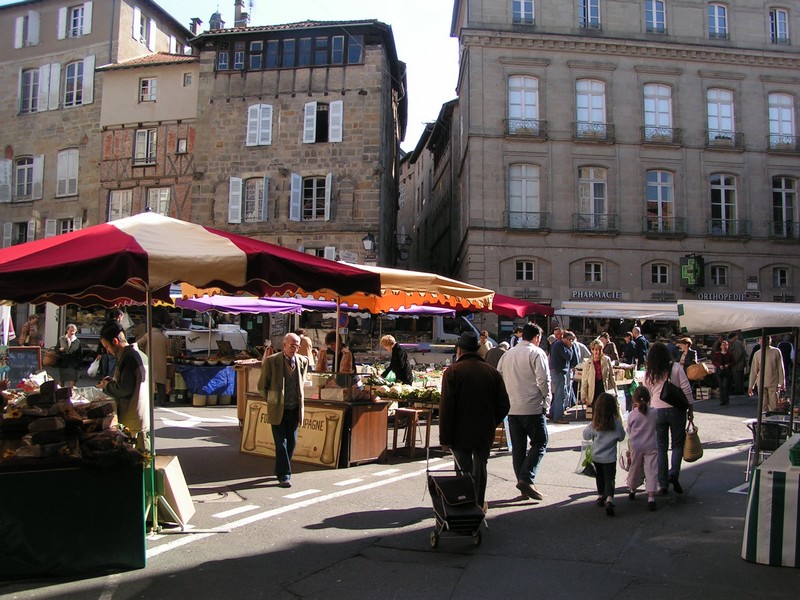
x=605, y=431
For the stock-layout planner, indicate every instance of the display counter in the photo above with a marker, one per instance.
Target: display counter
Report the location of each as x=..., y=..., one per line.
x=220, y=381
x=771, y=524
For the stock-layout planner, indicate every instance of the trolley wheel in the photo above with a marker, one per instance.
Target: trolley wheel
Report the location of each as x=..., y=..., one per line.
x=434, y=539
x=476, y=538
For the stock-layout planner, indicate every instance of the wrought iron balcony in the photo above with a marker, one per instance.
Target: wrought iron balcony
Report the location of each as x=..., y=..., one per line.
x=784, y=230
x=660, y=135
x=664, y=226
x=783, y=143
x=528, y=220
x=532, y=128
x=586, y=131
x=718, y=138
x=728, y=227
x=594, y=223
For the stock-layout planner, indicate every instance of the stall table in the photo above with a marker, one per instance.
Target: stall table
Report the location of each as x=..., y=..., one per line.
x=220, y=381
x=772, y=521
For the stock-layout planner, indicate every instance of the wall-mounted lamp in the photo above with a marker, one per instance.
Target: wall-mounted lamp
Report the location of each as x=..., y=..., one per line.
x=369, y=242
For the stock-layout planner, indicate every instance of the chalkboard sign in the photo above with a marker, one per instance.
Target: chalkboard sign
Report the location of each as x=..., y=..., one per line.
x=22, y=361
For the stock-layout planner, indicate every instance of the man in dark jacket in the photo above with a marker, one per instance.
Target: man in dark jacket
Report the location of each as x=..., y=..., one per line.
x=474, y=402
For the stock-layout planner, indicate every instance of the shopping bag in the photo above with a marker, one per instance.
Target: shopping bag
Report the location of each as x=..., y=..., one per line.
x=692, y=448
x=94, y=368
x=585, y=466
x=624, y=454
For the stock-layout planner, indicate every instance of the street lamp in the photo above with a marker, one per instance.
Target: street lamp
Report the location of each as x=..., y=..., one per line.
x=369, y=242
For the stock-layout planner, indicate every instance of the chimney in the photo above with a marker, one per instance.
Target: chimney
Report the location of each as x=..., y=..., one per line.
x=194, y=26
x=239, y=16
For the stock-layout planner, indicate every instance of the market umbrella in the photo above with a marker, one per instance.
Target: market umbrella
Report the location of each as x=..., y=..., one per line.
x=508, y=306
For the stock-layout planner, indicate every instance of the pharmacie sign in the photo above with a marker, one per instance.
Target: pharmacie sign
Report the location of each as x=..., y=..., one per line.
x=596, y=295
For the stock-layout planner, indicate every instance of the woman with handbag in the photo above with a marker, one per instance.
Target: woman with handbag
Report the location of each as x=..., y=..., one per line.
x=597, y=375
x=666, y=380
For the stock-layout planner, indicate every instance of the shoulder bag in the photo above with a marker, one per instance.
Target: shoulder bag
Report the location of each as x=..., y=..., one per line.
x=673, y=394
x=692, y=448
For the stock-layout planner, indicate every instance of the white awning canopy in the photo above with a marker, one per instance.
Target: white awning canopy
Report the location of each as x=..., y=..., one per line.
x=703, y=316
x=658, y=311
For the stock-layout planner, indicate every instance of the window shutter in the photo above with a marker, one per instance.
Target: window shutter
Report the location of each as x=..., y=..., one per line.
x=5, y=180
x=265, y=125
x=31, y=233
x=88, y=80
x=235, y=200
x=310, y=123
x=7, y=234
x=19, y=25
x=151, y=35
x=329, y=252
x=77, y=223
x=87, y=18
x=62, y=174
x=33, y=28
x=62, y=22
x=44, y=88
x=55, y=80
x=328, y=183
x=296, y=198
x=336, y=122
x=72, y=172
x=252, y=125
x=38, y=176
x=50, y=228
x=137, y=20
x=265, y=200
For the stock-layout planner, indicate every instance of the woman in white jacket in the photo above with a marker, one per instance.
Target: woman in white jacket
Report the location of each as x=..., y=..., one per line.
x=597, y=375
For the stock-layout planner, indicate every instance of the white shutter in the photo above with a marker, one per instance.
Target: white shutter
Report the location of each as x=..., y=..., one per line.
x=87, y=18
x=77, y=223
x=33, y=28
x=44, y=88
x=31, y=233
x=252, y=125
x=38, y=176
x=7, y=228
x=329, y=252
x=151, y=35
x=328, y=183
x=50, y=228
x=235, y=200
x=19, y=29
x=265, y=125
x=62, y=169
x=310, y=123
x=296, y=198
x=265, y=200
x=136, y=32
x=5, y=179
x=88, y=80
x=173, y=45
x=62, y=22
x=55, y=86
x=336, y=121
x=72, y=172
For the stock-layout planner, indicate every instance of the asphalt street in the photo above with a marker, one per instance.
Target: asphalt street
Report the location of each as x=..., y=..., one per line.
x=363, y=532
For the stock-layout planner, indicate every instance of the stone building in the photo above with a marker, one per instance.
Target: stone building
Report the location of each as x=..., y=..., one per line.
x=623, y=150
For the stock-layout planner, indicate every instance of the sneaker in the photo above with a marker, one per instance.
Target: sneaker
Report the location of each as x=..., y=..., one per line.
x=651, y=505
x=600, y=502
x=286, y=483
x=529, y=490
x=610, y=508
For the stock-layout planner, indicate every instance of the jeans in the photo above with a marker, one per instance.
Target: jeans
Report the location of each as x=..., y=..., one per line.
x=285, y=436
x=671, y=423
x=562, y=393
x=606, y=479
x=474, y=462
x=725, y=384
x=526, y=461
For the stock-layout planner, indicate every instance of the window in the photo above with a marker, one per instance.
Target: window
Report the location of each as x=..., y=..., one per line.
x=659, y=274
x=655, y=16
x=522, y=11
x=719, y=276
x=222, y=57
x=524, y=270
x=148, y=89
x=182, y=146
x=657, y=112
x=23, y=177
x=304, y=52
x=781, y=121
x=723, y=204
x=288, y=56
x=158, y=200
x=238, y=55
x=321, y=51
x=18, y=233
x=29, y=91
x=589, y=14
x=26, y=30
x=337, y=50
x=256, y=55
x=523, y=197
x=780, y=277
x=355, y=49
x=271, y=59
x=67, y=173
x=323, y=122
x=523, y=104
x=591, y=108
x=784, y=203
x=53, y=227
x=593, y=272
x=259, y=125
x=720, y=115
x=778, y=26
x=255, y=206
x=592, y=198
x=187, y=80
x=659, y=201
x=145, y=147
x=144, y=29
x=75, y=21
x=73, y=84
x=120, y=204
x=310, y=198
x=717, y=21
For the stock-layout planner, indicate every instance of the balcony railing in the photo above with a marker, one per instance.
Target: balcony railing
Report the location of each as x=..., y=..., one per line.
x=728, y=227
x=586, y=131
x=527, y=128
x=784, y=230
x=664, y=226
x=718, y=138
x=594, y=223
x=660, y=135
x=783, y=143
x=528, y=220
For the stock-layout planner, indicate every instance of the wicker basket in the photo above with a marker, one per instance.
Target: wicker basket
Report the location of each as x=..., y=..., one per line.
x=50, y=358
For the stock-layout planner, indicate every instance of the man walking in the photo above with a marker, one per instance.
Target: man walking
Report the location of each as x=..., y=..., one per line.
x=281, y=383
x=473, y=403
x=739, y=354
x=526, y=374
x=563, y=358
x=774, y=375
x=640, y=347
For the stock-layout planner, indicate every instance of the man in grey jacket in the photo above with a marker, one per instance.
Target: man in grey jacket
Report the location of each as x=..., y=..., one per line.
x=526, y=373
